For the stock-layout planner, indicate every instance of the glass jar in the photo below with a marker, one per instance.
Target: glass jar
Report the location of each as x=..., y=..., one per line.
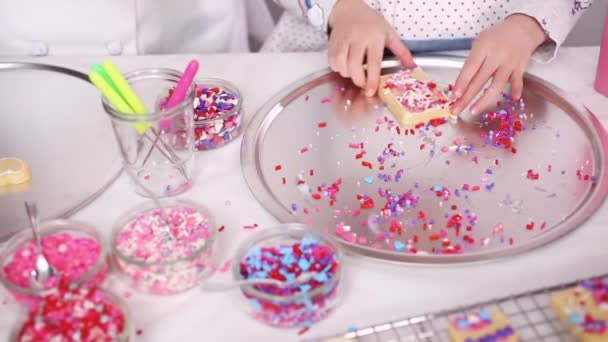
x=218, y=127
x=294, y=305
x=93, y=308
x=75, y=249
x=164, y=255
x=157, y=147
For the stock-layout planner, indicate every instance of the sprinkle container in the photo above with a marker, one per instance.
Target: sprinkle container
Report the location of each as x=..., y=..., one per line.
x=75, y=249
x=218, y=113
x=73, y=313
x=284, y=253
x=164, y=256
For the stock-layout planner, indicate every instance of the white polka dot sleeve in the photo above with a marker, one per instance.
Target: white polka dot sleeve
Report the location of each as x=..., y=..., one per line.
x=435, y=25
x=557, y=18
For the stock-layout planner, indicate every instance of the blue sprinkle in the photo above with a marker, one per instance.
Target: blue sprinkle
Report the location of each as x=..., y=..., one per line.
x=307, y=241
x=288, y=260
x=320, y=277
x=305, y=288
x=399, y=246
x=574, y=318
x=261, y=275
x=462, y=323
x=255, y=304
x=369, y=180
x=484, y=315
x=304, y=264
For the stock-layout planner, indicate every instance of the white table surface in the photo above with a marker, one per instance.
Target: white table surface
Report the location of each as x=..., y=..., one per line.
x=375, y=292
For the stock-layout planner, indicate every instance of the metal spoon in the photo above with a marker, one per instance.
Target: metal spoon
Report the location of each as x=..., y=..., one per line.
x=301, y=279
x=43, y=271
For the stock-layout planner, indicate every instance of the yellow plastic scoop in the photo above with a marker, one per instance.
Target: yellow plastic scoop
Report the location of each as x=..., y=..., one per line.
x=14, y=171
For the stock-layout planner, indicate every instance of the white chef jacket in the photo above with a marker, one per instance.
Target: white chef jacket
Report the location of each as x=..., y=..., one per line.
x=114, y=27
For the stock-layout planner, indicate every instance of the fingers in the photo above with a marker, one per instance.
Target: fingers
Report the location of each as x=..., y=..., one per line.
x=374, y=62
x=517, y=85
x=469, y=70
x=475, y=85
x=499, y=80
x=338, y=54
x=355, y=64
x=399, y=49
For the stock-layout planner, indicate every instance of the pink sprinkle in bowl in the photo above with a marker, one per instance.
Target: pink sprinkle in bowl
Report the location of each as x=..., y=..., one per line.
x=148, y=262
x=76, y=249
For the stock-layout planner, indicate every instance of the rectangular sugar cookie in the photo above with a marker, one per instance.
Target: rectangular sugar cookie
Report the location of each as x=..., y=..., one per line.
x=413, y=98
x=482, y=326
x=584, y=309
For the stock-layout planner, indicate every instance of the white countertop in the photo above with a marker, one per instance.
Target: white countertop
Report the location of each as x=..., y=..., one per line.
x=375, y=292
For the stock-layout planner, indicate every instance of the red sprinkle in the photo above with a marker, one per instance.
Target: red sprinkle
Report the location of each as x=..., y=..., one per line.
x=284, y=180
x=254, y=226
x=532, y=175
x=311, y=172
x=422, y=147
x=278, y=167
x=322, y=124
x=139, y=332
x=530, y=226
x=316, y=196
x=221, y=229
x=367, y=164
x=303, y=331
x=325, y=100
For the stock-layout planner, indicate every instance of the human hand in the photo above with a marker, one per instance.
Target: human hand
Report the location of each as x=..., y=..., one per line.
x=502, y=53
x=357, y=31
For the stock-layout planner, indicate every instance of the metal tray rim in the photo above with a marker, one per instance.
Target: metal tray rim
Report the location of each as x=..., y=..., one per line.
x=252, y=174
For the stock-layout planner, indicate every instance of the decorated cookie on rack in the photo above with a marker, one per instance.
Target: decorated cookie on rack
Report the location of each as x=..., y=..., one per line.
x=413, y=98
x=482, y=326
x=584, y=309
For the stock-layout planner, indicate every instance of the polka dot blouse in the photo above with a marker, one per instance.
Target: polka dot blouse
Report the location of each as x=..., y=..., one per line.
x=439, y=24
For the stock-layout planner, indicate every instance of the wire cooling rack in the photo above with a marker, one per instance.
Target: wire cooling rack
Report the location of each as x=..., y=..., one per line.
x=530, y=314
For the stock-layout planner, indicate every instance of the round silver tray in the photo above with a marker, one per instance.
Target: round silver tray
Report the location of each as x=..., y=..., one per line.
x=51, y=117
x=508, y=212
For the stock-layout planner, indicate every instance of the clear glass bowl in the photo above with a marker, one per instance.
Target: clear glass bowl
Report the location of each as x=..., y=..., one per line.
x=75, y=264
x=213, y=133
x=292, y=310
x=155, y=276
x=127, y=335
x=216, y=132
